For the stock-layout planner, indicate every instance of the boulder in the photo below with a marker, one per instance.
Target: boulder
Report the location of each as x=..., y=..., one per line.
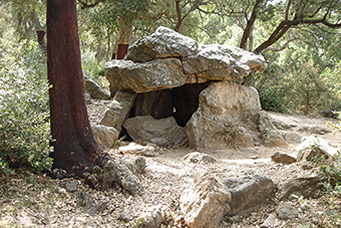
x=248, y=192
x=283, y=158
x=224, y=108
x=118, y=110
x=308, y=187
x=91, y=87
x=154, y=75
x=167, y=59
x=269, y=135
x=199, y=158
x=314, y=147
x=163, y=132
x=164, y=43
x=205, y=202
x=220, y=62
x=105, y=136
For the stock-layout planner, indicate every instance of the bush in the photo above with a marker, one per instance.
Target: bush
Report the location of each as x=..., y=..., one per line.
x=24, y=108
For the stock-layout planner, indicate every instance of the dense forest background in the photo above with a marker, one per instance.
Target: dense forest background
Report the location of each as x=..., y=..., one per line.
x=300, y=40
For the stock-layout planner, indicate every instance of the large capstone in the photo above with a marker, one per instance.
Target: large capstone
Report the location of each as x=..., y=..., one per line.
x=167, y=59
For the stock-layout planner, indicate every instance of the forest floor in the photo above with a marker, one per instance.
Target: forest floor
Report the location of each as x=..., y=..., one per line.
x=35, y=200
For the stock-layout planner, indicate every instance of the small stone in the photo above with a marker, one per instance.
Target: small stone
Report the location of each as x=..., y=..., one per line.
x=236, y=218
x=126, y=217
x=140, y=164
x=152, y=218
x=70, y=186
x=197, y=157
x=283, y=158
x=271, y=221
x=285, y=211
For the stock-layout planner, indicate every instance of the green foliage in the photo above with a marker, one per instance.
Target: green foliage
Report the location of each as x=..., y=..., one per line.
x=24, y=111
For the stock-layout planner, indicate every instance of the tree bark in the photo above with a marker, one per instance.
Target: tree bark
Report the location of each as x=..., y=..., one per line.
x=75, y=149
x=123, y=39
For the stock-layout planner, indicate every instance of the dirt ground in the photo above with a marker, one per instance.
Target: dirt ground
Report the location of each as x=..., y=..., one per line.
x=35, y=200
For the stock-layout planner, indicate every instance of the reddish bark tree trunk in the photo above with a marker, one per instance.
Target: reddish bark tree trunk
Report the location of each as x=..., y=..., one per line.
x=74, y=144
x=122, y=50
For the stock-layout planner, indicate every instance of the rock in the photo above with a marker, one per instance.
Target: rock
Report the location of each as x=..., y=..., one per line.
x=140, y=164
x=248, y=192
x=125, y=216
x=164, y=43
x=205, y=202
x=314, y=147
x=154, y=75
x=273, y=138
x=283, y=158
x=223, y=110
x=134, y=148
x=269, y=135
x=120, y=172
x=292, y=137
x=98, y=208
x=167, y=59
x=283, y=123
x=69, y=185
x=91, y=87
x=87, y=98
x=222, y=62
x=158, y=104
x=199, y=158
x=271, y=221
x=308, y=187
x=152, y=218
x=285, y=211
x=85, y=200
x=118, y=110
x=104, y=136
x=314, y=130
x=163, y=132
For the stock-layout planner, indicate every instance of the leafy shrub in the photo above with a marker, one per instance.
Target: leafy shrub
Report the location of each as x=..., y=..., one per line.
x=24, y=108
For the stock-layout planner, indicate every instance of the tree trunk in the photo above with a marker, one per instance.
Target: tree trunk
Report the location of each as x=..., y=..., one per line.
x=249, y=25
x=123, y=38
x=75, y=149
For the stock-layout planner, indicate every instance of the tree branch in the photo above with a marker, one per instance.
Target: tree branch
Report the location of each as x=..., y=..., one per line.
x=273, y=49
x=285, y=25
x=249, y=24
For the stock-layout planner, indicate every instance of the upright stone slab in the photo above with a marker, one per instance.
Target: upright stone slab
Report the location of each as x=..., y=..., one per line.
x=224, y=109
x=118, y=110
